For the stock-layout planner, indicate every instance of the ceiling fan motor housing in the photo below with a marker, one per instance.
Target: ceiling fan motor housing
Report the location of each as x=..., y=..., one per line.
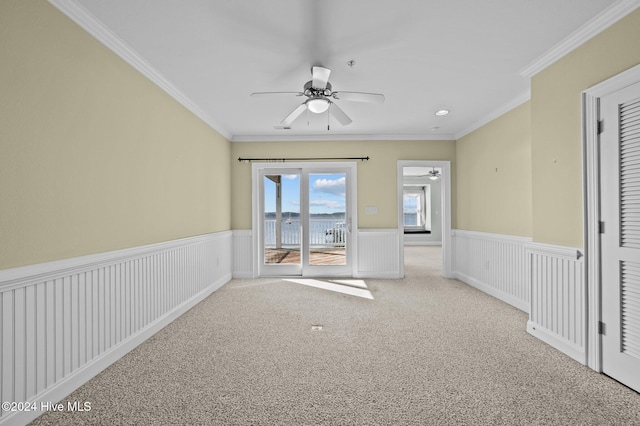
x=313, y=92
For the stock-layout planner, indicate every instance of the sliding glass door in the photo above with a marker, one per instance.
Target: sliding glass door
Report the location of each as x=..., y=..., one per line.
x=305, y=221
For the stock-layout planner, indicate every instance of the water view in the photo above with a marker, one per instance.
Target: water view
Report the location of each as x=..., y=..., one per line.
x=324, y=230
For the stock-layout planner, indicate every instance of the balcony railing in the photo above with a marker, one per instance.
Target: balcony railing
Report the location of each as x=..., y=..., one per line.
x=322, y=233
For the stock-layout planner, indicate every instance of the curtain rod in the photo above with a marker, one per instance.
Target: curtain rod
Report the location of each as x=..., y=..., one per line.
x=240, y=159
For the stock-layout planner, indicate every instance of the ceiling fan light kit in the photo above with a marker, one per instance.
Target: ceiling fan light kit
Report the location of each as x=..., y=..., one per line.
x=319, y=91
x=318, y=105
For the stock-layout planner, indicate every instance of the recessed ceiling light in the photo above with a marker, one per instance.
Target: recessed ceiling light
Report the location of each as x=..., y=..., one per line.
x=442, y=112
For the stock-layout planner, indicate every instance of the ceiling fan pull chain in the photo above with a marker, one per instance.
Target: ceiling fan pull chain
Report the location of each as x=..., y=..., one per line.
x=328, y=117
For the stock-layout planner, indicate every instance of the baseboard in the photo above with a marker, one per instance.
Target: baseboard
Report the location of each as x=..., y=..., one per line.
x=555, y=341
x=76, y=317
x=505, y=297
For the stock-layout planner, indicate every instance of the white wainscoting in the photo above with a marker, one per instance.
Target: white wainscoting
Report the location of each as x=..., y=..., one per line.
x=547, y=281
x=243, y=254
x=378, y=253
x=493, y=263
x=558, y=315
x=63, y=322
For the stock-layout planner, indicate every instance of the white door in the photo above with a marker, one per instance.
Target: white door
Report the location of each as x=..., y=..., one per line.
x=620, y=240
x=305, y=220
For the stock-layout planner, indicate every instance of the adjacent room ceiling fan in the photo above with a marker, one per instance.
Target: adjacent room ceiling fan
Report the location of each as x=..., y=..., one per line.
x=431, y=174
x=319, y=95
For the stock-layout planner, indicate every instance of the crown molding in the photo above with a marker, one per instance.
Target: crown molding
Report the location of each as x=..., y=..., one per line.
x=505, y=108
x=81, y=16
x=590, y=29
x=337, y=137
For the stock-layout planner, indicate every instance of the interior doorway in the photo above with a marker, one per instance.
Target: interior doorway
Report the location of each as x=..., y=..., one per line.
x=435, y=224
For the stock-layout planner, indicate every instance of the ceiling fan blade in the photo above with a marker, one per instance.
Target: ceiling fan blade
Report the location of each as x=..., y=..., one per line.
x=260, y=94
x=339, y=114
x=377, y=98
x=294, y=114
x=320, y=77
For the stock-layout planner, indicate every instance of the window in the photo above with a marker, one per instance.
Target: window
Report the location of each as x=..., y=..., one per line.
x=414, y=206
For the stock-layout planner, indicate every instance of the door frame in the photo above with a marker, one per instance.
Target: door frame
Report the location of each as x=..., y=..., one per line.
x=591, y=211
x=313, y=167
x=447, y=257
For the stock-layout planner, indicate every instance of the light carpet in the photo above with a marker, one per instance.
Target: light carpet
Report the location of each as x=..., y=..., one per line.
x=425, y=350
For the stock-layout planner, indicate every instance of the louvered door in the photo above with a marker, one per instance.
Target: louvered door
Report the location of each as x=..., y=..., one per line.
x=620, y=242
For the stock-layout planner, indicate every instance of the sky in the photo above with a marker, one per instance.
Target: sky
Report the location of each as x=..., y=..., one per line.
x=326, y=193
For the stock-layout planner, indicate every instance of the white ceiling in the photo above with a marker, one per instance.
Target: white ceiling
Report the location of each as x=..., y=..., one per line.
x=471, y=57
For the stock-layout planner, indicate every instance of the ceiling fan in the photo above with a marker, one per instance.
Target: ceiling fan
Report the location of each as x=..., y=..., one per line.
x=319, y=95
x=431, y=174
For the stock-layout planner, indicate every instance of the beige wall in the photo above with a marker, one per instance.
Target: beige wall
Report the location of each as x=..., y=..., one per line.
x=93, y=156
x=494, y=176
x=556, y=127
x=377, y=178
